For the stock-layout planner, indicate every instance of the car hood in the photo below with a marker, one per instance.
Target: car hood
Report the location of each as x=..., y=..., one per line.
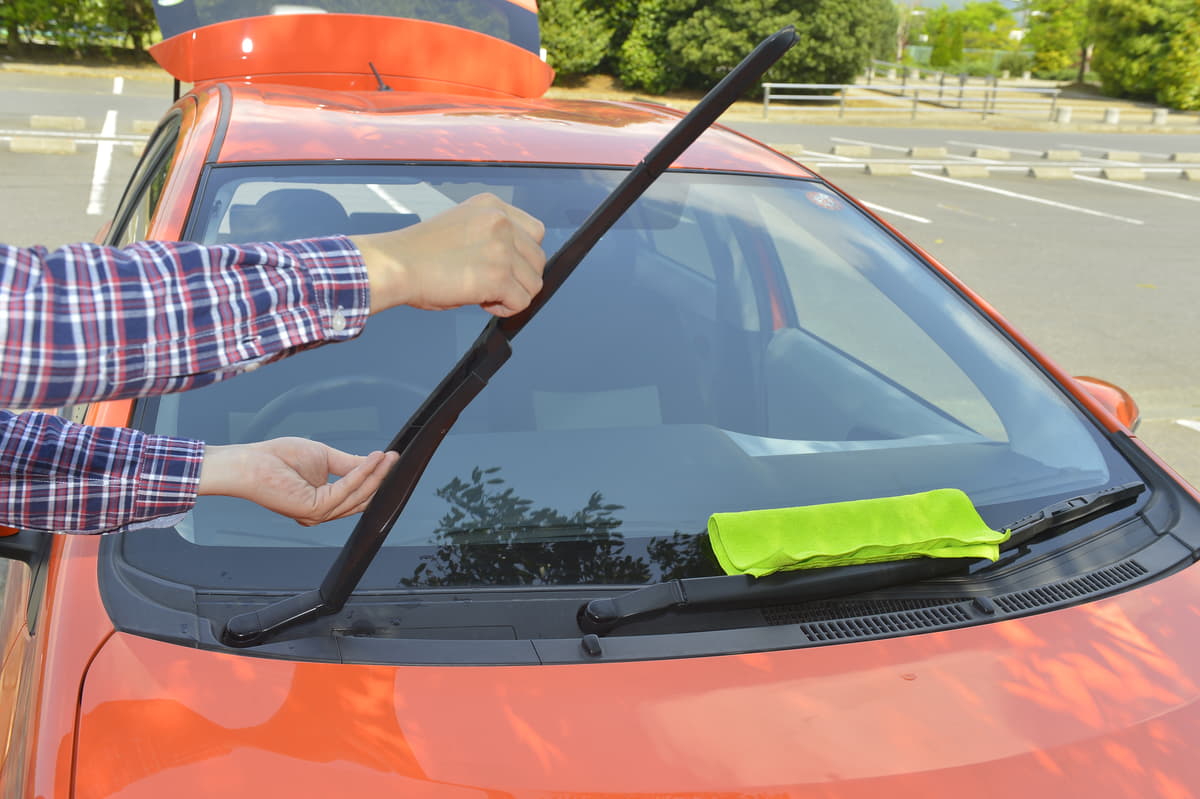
x=1097, y=700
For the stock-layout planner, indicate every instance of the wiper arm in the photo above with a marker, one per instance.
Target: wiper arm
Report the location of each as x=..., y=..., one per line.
x=423, y=433
x=602, y=615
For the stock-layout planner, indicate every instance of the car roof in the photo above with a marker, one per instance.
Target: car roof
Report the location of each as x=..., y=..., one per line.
x=271, y=123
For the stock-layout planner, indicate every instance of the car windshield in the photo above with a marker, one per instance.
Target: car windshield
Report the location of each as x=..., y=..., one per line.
x=735, y=342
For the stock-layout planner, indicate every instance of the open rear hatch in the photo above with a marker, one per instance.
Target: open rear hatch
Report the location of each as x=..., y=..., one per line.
x=485, y=48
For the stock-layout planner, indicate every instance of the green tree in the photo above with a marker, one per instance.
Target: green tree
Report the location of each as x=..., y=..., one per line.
x=944, y=28
x=646, y=58
x=575, y=35
x=837, y=38
x=1149, y=49
x=1060, y=35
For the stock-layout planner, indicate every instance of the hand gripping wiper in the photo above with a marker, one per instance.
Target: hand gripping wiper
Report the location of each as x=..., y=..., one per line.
x=423, y=433
x=600, y=616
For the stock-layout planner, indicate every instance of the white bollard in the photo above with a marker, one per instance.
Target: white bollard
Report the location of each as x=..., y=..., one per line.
x=1112, y=116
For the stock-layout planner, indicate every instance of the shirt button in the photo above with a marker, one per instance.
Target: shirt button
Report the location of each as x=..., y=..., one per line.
x=339, y=321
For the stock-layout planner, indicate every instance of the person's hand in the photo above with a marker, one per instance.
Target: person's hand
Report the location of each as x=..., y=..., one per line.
x=291, y=476
x=482, y=252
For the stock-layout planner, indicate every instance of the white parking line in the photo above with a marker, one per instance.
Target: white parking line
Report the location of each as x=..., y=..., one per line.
x=994, y=147
x=894, y=212
x=1121, y=184
x=1030, y=198
x=872, y=144
x=1189, y=424
x=118, y=85
x=104, y=151
x=1110, y=149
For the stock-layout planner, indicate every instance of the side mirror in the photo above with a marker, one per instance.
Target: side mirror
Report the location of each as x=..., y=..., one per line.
x=1114, y=398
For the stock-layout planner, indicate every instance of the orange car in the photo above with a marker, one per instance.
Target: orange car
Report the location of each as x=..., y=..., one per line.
x=546, y=617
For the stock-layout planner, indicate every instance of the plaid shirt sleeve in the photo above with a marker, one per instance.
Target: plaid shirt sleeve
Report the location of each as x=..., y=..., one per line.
x=87, y=322
x=71, y=478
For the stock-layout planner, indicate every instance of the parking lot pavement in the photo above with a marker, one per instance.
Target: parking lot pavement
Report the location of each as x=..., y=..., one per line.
x=1099, y=275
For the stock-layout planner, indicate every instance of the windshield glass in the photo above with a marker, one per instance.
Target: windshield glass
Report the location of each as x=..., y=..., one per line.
x=733, y=343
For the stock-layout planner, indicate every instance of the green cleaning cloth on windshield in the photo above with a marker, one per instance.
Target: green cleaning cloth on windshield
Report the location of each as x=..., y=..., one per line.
x=935, y=524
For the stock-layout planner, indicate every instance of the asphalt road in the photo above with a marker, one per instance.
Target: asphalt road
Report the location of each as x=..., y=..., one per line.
x=1102, y=274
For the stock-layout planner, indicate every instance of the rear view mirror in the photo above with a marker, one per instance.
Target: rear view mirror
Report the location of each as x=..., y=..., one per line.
x=1115, y=400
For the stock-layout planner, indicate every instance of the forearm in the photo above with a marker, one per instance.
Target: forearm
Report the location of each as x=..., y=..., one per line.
x=64, y=477
x=88, y=322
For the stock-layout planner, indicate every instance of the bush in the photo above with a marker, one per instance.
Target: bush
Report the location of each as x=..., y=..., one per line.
x=575, y=37
x=1149, y=49
x=1015, y=63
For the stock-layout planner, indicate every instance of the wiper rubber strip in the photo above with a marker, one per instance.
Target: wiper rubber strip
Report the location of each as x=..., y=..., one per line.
x=424, y=431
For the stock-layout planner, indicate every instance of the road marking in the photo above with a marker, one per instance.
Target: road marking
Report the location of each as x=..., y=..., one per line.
x=118, y=85
x=869, y=144
x=391, y=201
x=104, y=151
x=894, y=212
x=1163, y=192
x=123, y=138
x=1189, y=424
x=1110, y=149
x=994, y=147
x=1030, y=198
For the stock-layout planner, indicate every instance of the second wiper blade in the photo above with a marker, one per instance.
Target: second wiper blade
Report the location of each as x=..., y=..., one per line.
x=604, y=614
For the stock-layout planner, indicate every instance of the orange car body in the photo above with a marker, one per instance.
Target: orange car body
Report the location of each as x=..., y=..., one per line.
x=1096, y=700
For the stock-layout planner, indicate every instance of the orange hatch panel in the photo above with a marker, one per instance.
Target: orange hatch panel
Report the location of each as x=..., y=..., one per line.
x=337, y=51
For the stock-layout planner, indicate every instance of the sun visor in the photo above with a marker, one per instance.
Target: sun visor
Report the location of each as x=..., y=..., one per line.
x=477, y=47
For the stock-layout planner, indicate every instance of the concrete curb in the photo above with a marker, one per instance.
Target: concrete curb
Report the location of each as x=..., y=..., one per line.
x=927, y=152
x=1123, y=155
x=992, y=154
x=51, y=122
x=1052, y=172
x=1062, y=155
x=893, y=170
x=144, y=126
x=966, y=171
x=42, y=145
x=1122, y=173
x=852, y=150
x=1191, y=174
x=1186, y=158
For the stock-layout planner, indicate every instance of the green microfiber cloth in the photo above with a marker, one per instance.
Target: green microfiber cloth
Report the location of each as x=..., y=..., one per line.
x=935, y=524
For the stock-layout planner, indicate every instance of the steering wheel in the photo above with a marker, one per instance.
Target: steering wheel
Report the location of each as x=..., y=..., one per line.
x=331, y=394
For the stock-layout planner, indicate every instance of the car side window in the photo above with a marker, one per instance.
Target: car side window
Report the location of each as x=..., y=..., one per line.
x=137, y=208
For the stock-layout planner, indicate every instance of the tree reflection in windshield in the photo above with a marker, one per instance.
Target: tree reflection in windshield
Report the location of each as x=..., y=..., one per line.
x=492, y=536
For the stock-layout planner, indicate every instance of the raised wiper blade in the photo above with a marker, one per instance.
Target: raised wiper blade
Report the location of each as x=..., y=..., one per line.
x=602, y=615
x=423, y=433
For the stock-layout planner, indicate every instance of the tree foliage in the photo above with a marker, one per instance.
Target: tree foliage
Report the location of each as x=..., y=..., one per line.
x=1149, y=49
x=574, y=35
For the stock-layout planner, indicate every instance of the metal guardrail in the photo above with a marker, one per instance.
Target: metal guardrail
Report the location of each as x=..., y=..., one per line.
x=985, y=100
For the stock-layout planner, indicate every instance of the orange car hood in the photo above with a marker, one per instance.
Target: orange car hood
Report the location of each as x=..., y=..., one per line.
x=338, y=51
x=1097, y=700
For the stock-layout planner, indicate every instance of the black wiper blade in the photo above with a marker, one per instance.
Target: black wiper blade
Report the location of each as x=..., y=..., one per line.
x=1070, y=510
x=602, y=615
x=423, y=433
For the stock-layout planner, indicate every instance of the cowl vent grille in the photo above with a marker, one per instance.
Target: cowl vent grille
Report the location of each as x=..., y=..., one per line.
x=886, y=624
x=1094, y=583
